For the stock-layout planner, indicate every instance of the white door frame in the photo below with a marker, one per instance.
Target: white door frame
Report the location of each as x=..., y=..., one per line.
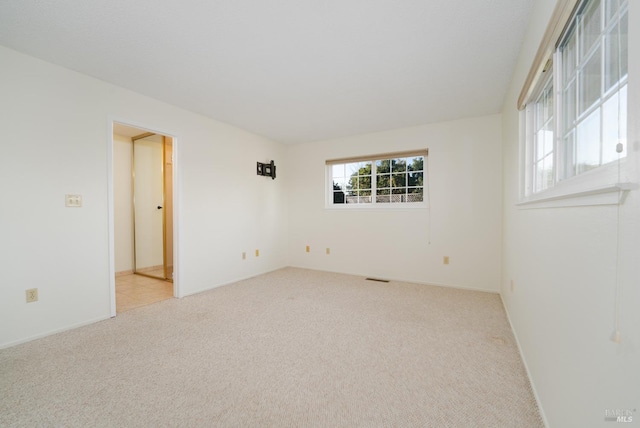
x=111, y=205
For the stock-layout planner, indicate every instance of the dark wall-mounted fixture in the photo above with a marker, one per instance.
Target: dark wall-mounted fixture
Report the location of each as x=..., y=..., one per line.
x=267, y=169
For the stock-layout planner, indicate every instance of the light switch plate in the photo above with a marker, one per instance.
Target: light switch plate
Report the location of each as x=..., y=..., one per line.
x=32, y=295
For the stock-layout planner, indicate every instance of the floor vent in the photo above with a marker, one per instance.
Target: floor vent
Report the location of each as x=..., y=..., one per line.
x=377, y=280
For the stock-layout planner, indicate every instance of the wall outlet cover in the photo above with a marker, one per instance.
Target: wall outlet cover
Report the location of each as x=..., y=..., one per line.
x=74, y=201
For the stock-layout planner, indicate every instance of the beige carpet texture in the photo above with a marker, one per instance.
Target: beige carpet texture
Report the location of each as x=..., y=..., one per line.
x=292, y=348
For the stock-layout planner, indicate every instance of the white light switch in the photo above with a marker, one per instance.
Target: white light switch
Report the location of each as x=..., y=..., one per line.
x=73, y=200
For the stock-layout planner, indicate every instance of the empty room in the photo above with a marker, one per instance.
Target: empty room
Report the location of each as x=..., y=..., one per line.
x=327, y=214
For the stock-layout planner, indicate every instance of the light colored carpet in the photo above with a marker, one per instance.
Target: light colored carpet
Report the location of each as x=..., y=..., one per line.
x=293, y=348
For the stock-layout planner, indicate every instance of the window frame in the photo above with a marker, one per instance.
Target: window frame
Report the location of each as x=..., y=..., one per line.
x=599, y=176
x=533, y=131
x=375, y=205
x=598, y=47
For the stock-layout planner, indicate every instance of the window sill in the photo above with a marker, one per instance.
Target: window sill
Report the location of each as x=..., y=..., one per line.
x=377, y=207
x=612, y=194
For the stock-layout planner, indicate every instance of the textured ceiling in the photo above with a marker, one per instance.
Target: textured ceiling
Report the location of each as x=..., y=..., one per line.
x=291, y=70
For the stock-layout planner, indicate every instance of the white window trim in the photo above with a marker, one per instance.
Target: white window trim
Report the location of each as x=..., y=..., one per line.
x=600, y=186
x=379, y=207
x=586, y=189
x=528, y=137
x=557, y=23
x=405, y=206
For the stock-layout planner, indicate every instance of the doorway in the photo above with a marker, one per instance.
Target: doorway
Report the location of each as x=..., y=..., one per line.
x=143, y=218
x=152, y=207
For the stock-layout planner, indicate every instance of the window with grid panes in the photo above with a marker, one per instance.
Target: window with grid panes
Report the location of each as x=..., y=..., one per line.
x=543, y=136
x=593, y=84
x=579, y=114
x=390, y=180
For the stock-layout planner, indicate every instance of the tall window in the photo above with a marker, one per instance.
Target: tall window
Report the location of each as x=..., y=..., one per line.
x=578, y=115
x=392, y=179
x=593, y=55
x=543, y=141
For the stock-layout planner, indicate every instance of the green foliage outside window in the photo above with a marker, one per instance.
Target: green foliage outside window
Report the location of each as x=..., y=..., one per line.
x=388, y=180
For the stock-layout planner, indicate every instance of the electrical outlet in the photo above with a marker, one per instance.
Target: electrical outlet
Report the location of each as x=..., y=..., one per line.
x=307, y=249
x=328, y=251
x=244, y=255
x=445, y=260
x=32, y=295
x=257, y=253
x=74, y=201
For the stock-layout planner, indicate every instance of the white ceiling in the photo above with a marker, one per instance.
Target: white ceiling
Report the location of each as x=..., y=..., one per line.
x=291, y=70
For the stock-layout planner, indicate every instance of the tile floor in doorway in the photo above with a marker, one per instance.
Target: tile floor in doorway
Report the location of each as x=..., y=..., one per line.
x=134, y=291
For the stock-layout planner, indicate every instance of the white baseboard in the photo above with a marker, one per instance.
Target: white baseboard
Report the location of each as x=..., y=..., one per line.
x=526, y=367
x=411, y=281
x=52, y=332
x=222, y=284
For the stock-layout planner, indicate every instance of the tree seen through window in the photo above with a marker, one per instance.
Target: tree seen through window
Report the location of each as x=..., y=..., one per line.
x=396, y=180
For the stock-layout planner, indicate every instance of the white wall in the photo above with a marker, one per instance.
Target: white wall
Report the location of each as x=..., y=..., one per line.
x=465, y=182
x=563, y=265
x=57, y=133
x=123, y=212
